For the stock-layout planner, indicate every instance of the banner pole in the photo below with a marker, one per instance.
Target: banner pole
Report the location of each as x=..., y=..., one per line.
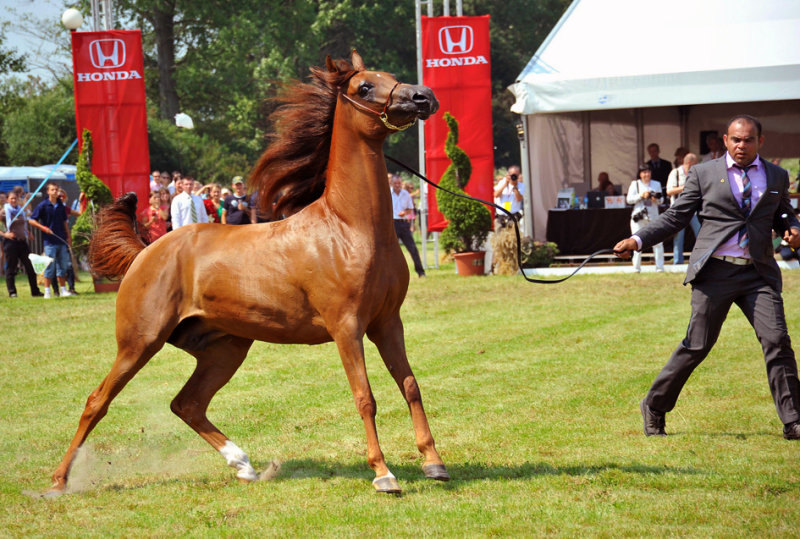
x=423, y=188
x=44, y=182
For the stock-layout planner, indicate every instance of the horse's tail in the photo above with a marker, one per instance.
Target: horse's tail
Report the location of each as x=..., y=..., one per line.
x=115, y=241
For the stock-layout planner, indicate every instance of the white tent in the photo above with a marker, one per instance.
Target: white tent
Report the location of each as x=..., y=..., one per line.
x=615, y=75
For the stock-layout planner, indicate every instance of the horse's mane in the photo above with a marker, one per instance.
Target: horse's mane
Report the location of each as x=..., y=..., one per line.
x=292, y=169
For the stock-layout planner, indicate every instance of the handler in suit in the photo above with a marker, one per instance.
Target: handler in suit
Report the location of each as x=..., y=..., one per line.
x=739, y=199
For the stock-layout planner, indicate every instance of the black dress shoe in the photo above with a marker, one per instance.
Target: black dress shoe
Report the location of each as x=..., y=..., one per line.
x=654, y=423
x=792, y=431
x=37, y=294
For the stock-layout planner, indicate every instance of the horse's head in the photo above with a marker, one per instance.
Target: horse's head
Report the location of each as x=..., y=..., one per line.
x=395, y=104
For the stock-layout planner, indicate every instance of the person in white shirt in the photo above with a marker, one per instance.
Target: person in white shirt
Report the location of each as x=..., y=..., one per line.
x=187, y=208
x=402, y=205
x=509, y=194
x=675, y=184
x=645, y=195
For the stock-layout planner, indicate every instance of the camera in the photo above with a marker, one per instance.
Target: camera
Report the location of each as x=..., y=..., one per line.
x=514, y=177
x=639, y=215
x=655, y=195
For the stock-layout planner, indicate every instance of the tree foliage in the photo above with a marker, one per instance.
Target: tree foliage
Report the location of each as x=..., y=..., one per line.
x=220, y=62
x=41, y=126
x=10, y=60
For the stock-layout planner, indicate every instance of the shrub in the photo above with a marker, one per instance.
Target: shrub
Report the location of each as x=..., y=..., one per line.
x=469, y=221
x=96, y=192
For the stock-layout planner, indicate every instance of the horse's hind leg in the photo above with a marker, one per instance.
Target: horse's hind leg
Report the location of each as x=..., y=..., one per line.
x=216, y=364
x=391, y=345
x=129, y=361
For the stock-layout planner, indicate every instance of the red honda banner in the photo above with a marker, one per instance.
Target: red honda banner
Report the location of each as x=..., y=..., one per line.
x=108, y=69
x=455, y=65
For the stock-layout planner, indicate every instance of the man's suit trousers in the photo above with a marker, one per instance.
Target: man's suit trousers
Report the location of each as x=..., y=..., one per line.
x=719, y=285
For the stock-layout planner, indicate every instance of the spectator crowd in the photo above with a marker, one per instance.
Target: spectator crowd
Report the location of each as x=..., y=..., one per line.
x=174, y=201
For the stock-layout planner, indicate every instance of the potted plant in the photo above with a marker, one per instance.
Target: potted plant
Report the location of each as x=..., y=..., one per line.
x=95, y=194
x=469, y=221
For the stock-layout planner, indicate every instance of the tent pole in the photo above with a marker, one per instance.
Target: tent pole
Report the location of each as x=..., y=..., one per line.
x=524, y=161
x=640, y=142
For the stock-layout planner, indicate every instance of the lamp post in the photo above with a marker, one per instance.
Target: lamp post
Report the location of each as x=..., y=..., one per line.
x=72, y=19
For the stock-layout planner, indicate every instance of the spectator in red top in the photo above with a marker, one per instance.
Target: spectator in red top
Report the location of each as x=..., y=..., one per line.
x=212, y=199
x=155, y=217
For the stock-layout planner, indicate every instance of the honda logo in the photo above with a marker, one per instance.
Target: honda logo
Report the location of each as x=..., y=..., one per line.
x=455, y=39
x=107, y=53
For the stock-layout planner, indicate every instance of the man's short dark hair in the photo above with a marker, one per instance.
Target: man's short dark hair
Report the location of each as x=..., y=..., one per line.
x=746, y=118
x=653, y=144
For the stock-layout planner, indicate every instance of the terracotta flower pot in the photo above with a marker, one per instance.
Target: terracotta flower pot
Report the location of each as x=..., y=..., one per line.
x=103, y=285
x=470, y=263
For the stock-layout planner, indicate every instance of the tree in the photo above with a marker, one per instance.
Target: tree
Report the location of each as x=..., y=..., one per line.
x=220, y=62
x=10, y=62
x=42, y=127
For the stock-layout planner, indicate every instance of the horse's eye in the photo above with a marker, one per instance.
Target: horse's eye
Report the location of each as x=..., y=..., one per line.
x=364, y=89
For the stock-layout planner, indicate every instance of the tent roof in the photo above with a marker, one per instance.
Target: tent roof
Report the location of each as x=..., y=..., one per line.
x=29, y=173
x=611, y=54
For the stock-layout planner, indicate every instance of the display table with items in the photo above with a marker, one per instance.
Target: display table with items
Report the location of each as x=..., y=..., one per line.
x=582, y=232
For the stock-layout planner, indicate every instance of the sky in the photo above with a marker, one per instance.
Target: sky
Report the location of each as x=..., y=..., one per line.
x=37, y=15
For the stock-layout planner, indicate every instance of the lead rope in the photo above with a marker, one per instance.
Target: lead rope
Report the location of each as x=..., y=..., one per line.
x=511, y=218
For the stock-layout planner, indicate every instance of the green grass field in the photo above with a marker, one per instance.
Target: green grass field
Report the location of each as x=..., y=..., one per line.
x=532, y=392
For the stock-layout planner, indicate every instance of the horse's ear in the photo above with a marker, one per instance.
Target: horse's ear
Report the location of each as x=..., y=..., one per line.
x=330, y=65
x=357, y=61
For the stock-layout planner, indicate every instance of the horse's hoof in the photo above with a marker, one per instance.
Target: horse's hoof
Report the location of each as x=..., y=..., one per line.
x=436, y=471
x=387, y=484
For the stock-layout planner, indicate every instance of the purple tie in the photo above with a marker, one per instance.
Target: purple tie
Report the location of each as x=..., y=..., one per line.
x=746, y=194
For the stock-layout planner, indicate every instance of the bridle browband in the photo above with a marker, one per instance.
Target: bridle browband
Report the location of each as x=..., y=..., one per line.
x=384, y=117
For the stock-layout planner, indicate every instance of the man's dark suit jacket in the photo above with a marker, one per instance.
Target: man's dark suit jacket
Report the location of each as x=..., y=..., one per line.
x=708, y=192
x=660, y=172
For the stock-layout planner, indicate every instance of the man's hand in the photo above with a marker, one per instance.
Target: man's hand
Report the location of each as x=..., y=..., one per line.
x=792, y=237
x=625, y=248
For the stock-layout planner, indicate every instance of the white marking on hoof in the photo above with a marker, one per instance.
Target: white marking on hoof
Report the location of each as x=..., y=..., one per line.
x=389, y=475
x=236, y=458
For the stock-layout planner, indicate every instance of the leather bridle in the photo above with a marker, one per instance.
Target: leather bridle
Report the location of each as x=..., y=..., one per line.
x=383, y=115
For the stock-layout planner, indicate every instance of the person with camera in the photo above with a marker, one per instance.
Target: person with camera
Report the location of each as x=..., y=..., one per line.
x=509, y=194
x=645, y=195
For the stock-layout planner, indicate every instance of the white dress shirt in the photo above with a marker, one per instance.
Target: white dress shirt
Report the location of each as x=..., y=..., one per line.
x=401, y=201
x=181, y=210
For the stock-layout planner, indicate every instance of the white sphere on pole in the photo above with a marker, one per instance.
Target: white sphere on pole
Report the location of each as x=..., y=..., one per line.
x=72, y=19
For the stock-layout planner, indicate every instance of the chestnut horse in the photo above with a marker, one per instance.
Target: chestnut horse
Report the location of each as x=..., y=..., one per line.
x=332, y=270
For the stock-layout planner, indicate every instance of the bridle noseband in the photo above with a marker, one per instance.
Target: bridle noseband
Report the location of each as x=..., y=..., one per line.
x=384, y=117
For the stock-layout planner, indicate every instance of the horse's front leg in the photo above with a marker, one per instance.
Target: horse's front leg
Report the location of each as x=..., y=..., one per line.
x=391, y=344
x=351, y=350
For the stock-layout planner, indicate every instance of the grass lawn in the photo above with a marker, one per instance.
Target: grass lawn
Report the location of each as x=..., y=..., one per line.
x=532, y=392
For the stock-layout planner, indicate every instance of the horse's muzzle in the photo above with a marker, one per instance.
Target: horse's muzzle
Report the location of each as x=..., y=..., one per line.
x=426, y=102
